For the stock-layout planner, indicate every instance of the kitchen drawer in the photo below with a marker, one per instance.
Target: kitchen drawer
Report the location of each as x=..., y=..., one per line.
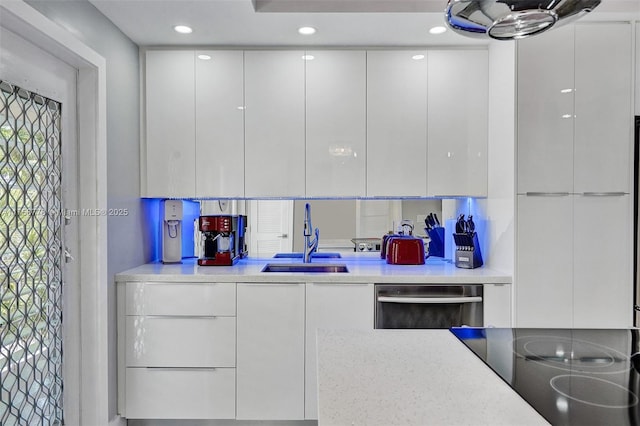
x=177, y=298
x=180, y=393
x=180, y=341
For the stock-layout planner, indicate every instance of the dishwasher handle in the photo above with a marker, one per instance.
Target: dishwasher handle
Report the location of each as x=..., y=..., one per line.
x=431, y=300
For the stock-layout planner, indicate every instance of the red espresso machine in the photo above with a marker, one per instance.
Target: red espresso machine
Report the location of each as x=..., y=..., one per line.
x=223, y=239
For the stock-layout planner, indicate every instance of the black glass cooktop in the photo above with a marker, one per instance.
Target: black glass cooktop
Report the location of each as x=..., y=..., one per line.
x=570, y=376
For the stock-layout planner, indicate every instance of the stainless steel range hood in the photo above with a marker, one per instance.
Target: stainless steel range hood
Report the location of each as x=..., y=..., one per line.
x=512, y=19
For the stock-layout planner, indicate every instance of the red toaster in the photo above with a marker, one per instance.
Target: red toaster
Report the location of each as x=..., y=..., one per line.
x=405, y=250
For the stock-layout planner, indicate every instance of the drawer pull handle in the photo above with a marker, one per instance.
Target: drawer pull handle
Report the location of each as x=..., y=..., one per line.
x=547, y=194
x=603, y=194
x=183, y=316
x=179, y=368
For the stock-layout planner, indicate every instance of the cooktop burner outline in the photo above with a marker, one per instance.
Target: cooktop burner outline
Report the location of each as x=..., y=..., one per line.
x=556, y=387
x=586, y=377
x=564, y=360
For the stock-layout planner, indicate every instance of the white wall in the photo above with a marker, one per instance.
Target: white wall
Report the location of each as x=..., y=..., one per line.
x=495, y=214
x=125, y=237
x=499, y=207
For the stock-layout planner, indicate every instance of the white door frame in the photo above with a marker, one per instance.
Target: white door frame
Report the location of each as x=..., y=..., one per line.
x=23, y=20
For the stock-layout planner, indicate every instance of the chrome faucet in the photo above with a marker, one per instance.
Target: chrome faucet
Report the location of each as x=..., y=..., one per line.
x=310, y=246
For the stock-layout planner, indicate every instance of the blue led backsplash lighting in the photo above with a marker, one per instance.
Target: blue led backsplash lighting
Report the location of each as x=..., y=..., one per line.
x=151, y=217
x=153, y=229
x=191, y=212
x=469, y=333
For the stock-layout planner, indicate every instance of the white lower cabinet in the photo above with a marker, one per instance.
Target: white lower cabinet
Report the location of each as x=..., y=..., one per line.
x=332, y=306
x=176, y=350
x=497, y=305
x=544, y=275
x=602, y=271
x=180, y=393
x=574, y=270
x=243, y=351
x=270, y=351
x=180, y=341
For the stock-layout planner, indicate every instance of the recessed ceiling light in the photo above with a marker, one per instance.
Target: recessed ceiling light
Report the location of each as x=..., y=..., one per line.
x=437, y=30
x=204, y=57
x=183, y=29
x=307, y=30
x=308, y=57
x=417, y=57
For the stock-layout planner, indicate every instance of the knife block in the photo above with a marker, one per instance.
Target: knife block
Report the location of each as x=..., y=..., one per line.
x=436, y=243
x=468, y=254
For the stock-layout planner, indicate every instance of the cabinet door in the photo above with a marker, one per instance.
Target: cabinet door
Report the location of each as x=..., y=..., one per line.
x=637, y=55
x=602, y=267
x=335, y=123
x=457, y=122
x=545, y=74
x=170, y=124
x=397, y=123
x=604, y=93
x=332, y=306
x=219, y=124
x=270, y=351
x=497, y=305
x=180, y=299
x=544, y=272
x=180, y=393
x=180, y=341
x=274, y=124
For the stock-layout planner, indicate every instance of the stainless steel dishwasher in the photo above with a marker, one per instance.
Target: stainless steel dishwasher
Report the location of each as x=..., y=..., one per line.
x=428, y=306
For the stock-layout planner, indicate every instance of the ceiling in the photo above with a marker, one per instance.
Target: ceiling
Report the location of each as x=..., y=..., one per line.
x=275, y=22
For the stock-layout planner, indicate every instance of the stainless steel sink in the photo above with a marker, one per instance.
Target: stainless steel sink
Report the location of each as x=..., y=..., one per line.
x=316, y=255
x=305, y=267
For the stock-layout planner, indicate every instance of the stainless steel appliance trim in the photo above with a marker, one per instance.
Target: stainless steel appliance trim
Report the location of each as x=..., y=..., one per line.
x=467, y=299
x=341, y=284
x=425, y=306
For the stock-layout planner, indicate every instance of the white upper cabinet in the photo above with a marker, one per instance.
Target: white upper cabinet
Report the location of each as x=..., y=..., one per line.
x=545, y=74
x=604, y=97
x=219, y=109
x=457, y=122
x=335, y=123
x=170, y=124
x=575, y=109
x=348, y=123
x=397, y=123
x=274, y=124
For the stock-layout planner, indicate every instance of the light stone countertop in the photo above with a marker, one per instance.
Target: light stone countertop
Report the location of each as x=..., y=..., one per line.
x=411, y=377
x=363, y=268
